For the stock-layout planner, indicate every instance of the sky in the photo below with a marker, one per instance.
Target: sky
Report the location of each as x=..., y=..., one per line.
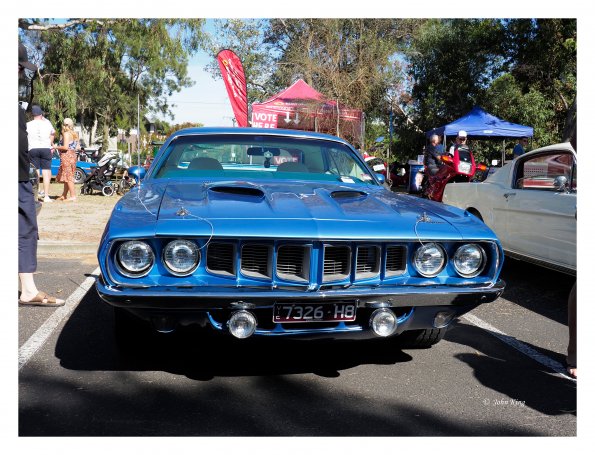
x=206, y=101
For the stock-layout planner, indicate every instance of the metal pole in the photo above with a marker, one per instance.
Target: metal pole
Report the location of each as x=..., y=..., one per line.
x=138, y=130
x=390, y=130
x=503, y=152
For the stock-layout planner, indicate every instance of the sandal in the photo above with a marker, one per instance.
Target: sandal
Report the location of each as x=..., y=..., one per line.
x=42, y=299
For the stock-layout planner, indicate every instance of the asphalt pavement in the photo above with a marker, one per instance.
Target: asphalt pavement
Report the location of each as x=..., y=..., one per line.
x=476, y=382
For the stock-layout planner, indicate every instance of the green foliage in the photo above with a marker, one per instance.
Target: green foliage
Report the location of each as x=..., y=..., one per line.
x=452, y=63
x=109, y=65
x=245, y=38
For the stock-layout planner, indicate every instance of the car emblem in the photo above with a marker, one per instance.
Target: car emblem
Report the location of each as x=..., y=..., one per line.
x=182, y=212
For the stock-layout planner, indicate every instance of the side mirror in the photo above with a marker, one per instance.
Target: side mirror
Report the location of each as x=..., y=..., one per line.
x=138, y=172
x=561, y=183
x=381, y=178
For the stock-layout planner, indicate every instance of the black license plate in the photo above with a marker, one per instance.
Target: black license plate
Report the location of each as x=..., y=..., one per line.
x=314, y=312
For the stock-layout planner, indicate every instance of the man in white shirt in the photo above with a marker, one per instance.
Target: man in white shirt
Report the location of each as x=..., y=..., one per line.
x=41, y=138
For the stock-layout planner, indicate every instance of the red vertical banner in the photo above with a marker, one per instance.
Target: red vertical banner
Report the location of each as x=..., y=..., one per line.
x=235, y=83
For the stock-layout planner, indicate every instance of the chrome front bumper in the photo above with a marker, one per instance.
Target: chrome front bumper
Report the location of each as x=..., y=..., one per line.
x=168, y=298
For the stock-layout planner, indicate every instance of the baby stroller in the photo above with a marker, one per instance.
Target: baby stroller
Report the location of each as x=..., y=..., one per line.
x=100, y=178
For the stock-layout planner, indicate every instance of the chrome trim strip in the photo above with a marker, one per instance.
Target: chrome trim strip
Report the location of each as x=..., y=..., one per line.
x=198, y=298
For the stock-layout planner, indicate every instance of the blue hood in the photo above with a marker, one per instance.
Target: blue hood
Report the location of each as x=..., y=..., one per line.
x=288, y=210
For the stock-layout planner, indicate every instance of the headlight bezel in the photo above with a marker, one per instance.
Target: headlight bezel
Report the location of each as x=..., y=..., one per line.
x=190, y=270
x=419, y=251
x=481, y=266
x=126, y=271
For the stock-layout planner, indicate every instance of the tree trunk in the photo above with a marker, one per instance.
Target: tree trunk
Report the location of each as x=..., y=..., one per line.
x=105, y=138
x=338, y=118
x=569, y=134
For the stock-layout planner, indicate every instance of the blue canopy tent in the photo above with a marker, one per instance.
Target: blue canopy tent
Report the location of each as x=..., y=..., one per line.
x=482, y=125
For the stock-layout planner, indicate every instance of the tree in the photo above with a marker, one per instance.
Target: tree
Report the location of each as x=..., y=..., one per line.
x=245, y=38
x=349, y=60
x=451, y=63
x=106, y=65
x=542, y=55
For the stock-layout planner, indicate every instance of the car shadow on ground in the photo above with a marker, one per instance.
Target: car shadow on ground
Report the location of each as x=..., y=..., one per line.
x=516, y=376
x=272, y=398
x=87, y=342
x=554, y=288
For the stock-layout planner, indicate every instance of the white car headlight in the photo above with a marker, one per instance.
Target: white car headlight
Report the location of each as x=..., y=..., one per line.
x=181, y=257
x=469, y=260
x=429, y=259
x=135, y=258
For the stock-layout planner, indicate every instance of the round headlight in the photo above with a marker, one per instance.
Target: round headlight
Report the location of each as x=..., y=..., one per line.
x=429, y=259
x=469, y=260
x=181, y=257
x=135, y=258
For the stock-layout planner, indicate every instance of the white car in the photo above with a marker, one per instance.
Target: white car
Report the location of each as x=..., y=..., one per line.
x=530, y=204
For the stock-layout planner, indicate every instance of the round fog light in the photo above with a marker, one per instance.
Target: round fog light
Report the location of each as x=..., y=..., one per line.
x=383, y=322
x=242, y=324
x=442, y=319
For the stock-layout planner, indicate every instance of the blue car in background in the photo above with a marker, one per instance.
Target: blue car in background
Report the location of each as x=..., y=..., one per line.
x=275, y=233
x=83, y=168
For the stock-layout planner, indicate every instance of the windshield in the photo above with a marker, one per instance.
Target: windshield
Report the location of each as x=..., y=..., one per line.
x=247, y=156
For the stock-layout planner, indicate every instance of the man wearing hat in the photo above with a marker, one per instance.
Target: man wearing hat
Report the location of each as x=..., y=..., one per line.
x=41, y=137
x=28, y=232
x=460, y=140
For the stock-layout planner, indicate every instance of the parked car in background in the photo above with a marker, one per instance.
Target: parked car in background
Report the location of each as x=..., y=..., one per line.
x=83, y=168
x=376, y=164
x=530, y=203
x=219, y=235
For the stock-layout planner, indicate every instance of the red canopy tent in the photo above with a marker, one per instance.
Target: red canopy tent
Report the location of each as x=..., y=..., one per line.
x=301, y=107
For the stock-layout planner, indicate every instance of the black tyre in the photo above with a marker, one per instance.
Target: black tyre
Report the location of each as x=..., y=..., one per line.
x=79, y=175
x=420, y=339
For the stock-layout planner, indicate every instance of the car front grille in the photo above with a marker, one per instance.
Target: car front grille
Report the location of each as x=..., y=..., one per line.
x=221, y=259
x=396, y=260
x=368, y=262
x=325, y=263
x=337, y=263
x=256, y=261
x=293, y=263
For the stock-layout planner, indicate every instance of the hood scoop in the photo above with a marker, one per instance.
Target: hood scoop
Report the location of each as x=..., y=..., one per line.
x=237, y=190
x=346, y=195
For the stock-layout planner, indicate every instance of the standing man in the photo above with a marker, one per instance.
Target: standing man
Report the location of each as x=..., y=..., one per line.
x=41, y=137
x=519, y=149
x=432, y=155
x=436, y=143
x=28, y=233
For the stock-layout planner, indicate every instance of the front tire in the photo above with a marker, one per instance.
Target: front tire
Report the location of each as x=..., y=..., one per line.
x=420, y=339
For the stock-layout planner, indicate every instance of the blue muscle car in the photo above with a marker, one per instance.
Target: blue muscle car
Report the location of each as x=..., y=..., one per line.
x=268, y=232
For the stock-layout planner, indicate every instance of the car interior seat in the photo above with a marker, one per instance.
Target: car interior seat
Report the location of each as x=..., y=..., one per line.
x=205, y=163
x=290, y=166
